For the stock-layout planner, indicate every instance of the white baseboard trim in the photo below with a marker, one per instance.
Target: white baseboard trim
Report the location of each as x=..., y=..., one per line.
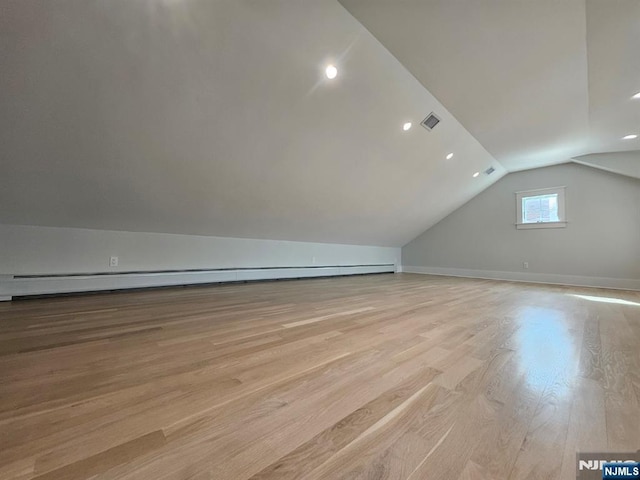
x=4, y=293
x=549, y=278
x=14, y=286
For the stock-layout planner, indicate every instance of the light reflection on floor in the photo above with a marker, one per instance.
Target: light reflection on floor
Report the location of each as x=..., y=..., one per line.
x=545, y=349
x=618, y=301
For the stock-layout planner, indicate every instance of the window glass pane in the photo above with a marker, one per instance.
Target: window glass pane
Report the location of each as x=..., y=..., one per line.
x=540, y=209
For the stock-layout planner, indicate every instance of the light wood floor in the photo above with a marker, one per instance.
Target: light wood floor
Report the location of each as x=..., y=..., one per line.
x=385, y=376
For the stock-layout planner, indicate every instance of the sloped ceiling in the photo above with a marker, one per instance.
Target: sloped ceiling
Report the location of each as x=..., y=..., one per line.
x=536, y=82
x=623, y=163
x=215, y=118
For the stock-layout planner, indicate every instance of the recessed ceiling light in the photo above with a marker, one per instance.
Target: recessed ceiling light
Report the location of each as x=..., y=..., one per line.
x=331, y=71
x=450, y=156
x=406, y=126
x=630, y=137
x=476, y=174
x=636, y=96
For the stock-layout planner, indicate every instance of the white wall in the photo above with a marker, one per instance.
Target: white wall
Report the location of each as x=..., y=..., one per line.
x=599, y=247
x=27, y=250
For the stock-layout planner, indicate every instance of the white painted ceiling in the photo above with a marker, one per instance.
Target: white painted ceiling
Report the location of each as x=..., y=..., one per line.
x=536, y=82
x=215, y=118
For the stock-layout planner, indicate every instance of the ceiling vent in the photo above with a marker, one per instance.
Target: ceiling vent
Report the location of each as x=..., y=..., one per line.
x=489, y=171
x=430, y=122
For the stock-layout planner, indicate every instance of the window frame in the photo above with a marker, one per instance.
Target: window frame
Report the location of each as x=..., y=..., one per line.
x=560, y=191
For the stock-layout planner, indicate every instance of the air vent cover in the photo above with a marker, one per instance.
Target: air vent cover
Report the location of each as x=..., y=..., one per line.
x=430, y=122
x=489, y=170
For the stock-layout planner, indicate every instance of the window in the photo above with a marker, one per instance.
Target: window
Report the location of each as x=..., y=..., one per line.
x=542, y=208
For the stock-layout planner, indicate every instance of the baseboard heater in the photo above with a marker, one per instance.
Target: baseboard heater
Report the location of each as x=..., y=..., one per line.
x=26, y=285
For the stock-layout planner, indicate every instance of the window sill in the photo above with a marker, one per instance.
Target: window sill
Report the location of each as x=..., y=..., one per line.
x=528, y=226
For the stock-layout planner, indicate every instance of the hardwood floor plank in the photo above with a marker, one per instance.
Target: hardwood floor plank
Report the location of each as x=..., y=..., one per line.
x=383, y=376
x=101, y=462
x=324, y=445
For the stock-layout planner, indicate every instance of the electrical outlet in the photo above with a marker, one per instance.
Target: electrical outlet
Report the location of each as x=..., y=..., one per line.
x=525, y=265
x=113, y=261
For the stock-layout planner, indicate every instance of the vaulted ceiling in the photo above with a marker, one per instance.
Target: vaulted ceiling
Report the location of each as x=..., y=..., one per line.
x=536, y=82
x=216, y=118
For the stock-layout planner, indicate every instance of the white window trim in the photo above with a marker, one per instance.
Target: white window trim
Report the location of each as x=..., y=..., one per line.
x=560, y=191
